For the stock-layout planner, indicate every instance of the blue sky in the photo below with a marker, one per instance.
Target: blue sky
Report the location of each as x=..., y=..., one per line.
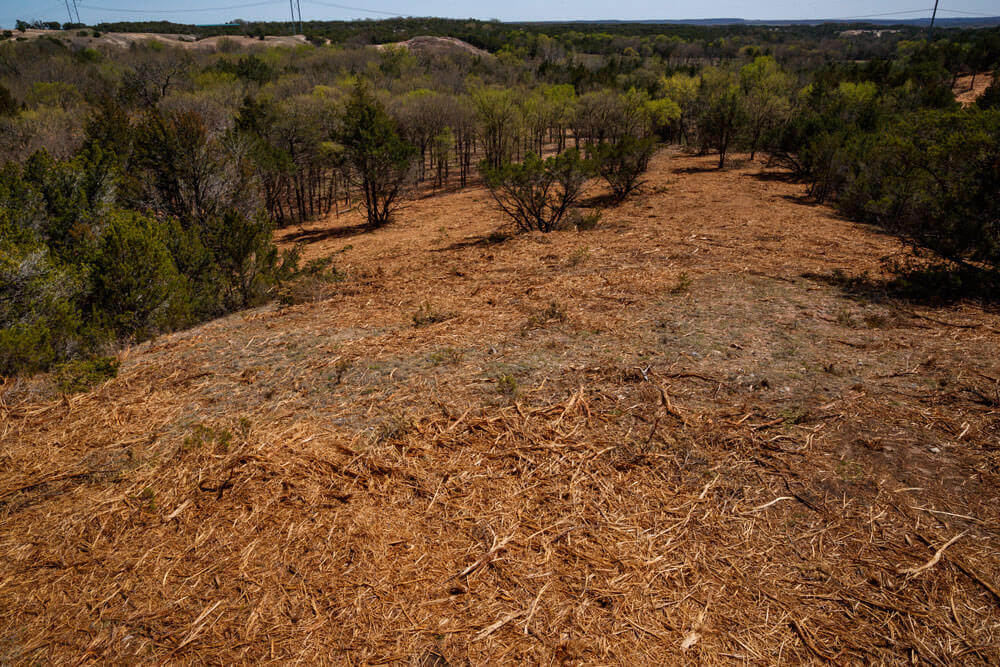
x=219, y=11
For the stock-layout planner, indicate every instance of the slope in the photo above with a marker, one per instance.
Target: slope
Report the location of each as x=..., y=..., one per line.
x=670, y=437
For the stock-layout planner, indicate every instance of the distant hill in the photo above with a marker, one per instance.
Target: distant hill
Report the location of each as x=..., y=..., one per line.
x=967, y=22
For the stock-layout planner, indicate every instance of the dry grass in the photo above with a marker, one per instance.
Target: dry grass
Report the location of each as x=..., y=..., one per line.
x=754, y=468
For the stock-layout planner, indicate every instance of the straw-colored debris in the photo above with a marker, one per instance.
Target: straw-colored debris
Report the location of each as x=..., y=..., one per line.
x=649, y=443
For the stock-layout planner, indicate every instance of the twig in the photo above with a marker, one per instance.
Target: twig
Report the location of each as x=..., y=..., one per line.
x=934, y=560
x=490, y=629
x=800, y=631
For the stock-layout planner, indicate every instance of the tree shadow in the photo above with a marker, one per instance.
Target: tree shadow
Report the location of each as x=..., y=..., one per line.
x=605, y=200
x=491, y=239
x=315, y=235
x=803, y=200
x=927, y=284
x=698, y=170
x=775, y=177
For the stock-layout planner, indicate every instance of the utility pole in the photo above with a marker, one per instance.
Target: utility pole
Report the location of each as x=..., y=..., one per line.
x=77, y=10
x=300, y=15
x=930, y=31
x=291, y=6
x=68, y=11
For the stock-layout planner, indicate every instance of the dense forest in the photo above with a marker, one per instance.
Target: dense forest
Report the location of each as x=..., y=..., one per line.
x=140, y=186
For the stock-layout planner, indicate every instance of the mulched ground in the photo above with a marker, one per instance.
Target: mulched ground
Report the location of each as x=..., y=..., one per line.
x=670, y=438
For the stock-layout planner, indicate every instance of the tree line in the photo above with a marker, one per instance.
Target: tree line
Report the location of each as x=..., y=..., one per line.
x=141, y=186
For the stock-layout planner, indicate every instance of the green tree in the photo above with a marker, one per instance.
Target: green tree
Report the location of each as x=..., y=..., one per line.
x=722, y=114
x=499, y=123
x=990, y=99
x=682, y=89
x=40, y=319
x=380, y=161
x=244, y=254
x=931, y=177
x=765, y=89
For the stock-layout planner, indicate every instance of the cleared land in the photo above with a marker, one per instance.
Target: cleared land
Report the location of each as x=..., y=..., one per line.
x=967, y=93
x=128, y=39
x=669, y=438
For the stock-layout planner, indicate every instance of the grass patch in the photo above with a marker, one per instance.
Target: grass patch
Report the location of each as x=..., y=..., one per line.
x=682, y=285
x=507, y=386
x=76, y=376
x=578, y=256
x=554, y=312
x=444, y=356
x=427, y=314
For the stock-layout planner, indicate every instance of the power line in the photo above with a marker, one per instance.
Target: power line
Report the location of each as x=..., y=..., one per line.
x=177, y=11
x=353, y=9
x=871, y=16
x=957, y=11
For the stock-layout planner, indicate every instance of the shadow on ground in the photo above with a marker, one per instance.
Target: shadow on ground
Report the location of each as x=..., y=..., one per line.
x=316, y=235
x=930, y=284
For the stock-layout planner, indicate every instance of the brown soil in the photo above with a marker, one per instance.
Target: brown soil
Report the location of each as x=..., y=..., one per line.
x=966, y=93
x=652, y=442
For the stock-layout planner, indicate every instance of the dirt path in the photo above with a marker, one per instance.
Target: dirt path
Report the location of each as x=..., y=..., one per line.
x=666, y=438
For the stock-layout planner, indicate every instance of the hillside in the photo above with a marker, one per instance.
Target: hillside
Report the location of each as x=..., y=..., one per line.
x=436, y=46
x=124, y=40
x=670, y=437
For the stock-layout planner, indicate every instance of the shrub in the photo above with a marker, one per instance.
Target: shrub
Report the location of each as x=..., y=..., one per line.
x=932, y=178
x=80, y=375
x=622, y=162
x=313, y=282
x=990, y=99
x=40, y=320
x=8, y=105
x=245, y=256
x=134, y=276
x=537, y=193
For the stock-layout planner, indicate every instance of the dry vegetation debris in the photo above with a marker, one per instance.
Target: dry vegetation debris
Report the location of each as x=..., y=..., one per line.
x=707, y=456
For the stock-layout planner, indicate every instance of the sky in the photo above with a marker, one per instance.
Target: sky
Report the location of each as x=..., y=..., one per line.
x=221, y=11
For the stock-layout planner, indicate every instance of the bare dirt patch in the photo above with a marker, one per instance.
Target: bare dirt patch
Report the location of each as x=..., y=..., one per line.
x=654, y=441
x=437, y=46
x=190, y=42
x=968, y=88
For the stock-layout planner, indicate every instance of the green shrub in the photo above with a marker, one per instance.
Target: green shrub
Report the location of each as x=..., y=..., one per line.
x=932, y=178
x=134, y=276
x=40, y=320
x=537, y=193
x=622, y=162
x=75, y=376
x=8, y=105
x=245, y=256
x=990, y=99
